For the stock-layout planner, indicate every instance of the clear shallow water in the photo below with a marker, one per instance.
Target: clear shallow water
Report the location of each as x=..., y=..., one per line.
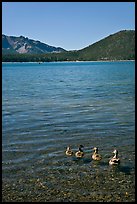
x=48, y=106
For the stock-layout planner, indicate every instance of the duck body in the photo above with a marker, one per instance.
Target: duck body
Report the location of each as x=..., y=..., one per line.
x=95, y=155
x=69, y=152
x=114, y=160
x=79, y=153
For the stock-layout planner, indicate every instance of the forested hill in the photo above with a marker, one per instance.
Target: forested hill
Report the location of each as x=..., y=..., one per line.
x=118, y=46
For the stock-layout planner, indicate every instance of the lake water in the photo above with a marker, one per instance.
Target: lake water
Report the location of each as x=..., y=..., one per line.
x=48, y=106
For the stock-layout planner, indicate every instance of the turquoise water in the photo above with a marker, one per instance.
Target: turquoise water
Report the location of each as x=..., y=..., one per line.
x=48, y=106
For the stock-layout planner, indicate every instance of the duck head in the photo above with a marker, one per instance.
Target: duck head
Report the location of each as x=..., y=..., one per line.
x=68, y=148
x=80, y=146
x=115, y=153
x=95, y=149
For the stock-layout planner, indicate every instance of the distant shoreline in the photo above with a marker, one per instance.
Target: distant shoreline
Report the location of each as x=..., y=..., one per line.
x=74, y=61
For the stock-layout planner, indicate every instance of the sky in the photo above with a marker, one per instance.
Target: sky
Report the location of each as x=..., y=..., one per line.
x=70, y=25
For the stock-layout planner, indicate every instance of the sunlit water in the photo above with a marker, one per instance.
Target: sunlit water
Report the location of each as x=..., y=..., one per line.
x=48, y=106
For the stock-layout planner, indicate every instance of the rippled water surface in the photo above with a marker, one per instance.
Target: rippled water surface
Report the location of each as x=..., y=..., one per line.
x=48, y=106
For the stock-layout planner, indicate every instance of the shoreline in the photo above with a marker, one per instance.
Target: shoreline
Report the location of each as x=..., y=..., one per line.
x=75, y=61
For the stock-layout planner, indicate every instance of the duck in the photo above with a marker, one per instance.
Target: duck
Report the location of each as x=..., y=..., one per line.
x=114, y=160
x=69, y=152
x=79, y=153
x=95, y=155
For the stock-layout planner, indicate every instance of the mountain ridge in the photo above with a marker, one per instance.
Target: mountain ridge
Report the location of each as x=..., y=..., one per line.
x=117, y=46
x=21, y=44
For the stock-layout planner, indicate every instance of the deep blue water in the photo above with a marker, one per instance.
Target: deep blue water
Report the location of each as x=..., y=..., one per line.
x=48, y=106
